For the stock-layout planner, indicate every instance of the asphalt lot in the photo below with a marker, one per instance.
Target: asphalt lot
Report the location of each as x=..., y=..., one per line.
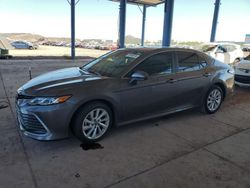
x=188, y=149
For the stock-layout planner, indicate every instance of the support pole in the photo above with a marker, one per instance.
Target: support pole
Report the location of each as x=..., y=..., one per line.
x=72, y=4
x=168, y=18
x=122, y=23
x=143, y=24
x=215, y=20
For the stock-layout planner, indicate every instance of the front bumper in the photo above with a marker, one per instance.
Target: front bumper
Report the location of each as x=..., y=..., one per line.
x=44, y=122
x=242, y=80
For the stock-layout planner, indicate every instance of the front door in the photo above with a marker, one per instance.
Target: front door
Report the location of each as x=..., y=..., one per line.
x=153, y=95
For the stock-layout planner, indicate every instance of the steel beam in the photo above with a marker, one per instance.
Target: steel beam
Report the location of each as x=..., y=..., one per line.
x=144, y=12
x=72, y=4
x=122, y=23
x=168, y=18
x=215, y=20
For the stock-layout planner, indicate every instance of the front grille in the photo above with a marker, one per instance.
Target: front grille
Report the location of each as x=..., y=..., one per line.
x=20, y=96
x=31, y=124
x=242, y=79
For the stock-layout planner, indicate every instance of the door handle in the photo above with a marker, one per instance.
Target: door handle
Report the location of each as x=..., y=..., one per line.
x=171, y=81
x=207, y=74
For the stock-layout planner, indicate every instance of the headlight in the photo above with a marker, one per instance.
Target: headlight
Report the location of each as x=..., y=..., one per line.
x=43, y=101
x=231, y=71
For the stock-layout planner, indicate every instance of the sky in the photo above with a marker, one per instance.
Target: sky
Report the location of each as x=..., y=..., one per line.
x=192, y=20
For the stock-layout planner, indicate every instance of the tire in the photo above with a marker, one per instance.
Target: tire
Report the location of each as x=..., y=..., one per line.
x=92, y=122
x=213, y=97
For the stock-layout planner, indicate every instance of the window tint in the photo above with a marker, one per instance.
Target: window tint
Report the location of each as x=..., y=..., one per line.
x=158, y=64
x=190, y=62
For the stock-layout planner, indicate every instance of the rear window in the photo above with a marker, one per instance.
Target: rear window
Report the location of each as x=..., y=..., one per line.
x=189, y=61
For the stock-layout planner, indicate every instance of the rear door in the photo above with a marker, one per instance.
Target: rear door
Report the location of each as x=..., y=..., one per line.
x=192, y=78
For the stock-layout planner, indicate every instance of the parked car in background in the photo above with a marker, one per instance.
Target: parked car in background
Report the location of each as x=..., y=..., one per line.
x=24, y=45
x=228, y=53
x=121, y=87
x=242, y=72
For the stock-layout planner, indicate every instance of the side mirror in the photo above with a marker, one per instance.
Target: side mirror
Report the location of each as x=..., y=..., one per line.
x=138, y=76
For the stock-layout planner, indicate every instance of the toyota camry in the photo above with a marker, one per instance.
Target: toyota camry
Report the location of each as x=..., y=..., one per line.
x=118, y=88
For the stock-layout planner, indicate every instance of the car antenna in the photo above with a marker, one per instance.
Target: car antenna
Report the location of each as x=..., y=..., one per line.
x=30, y=73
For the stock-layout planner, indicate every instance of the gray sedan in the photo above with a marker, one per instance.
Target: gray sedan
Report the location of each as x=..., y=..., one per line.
x=121, y=87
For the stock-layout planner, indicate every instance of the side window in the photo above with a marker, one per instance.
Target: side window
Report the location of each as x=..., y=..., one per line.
x=222, y=49
x=202, y=61
x=231, y=48
x=227, y=47
x=158, y=64
x=188, y=61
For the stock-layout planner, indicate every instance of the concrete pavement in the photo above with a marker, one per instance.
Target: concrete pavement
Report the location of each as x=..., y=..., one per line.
x=188, y=149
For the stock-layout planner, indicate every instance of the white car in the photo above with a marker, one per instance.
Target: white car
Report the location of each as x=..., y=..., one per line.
x=228, y=53
x=242, y=72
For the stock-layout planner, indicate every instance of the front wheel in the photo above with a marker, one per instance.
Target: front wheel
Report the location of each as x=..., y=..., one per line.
x=213, y=100
x=92, y=122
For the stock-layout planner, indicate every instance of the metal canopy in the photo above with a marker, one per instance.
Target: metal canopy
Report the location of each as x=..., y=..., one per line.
x=215, y=20
x=144, y=2
x=168, y=17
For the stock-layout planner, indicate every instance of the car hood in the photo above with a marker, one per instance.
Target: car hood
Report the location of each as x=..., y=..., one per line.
x=51, y=80
x=244, y=64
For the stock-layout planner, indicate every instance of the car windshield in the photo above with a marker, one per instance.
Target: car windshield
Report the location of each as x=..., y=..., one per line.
x=208, y=48
x=112, y=64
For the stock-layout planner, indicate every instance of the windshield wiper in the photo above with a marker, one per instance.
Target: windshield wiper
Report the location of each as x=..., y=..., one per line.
x=90, y=71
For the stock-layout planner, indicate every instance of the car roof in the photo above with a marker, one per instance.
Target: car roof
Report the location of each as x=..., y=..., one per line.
x=159, y=49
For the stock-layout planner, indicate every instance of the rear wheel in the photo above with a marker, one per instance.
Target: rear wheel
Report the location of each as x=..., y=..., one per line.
x=213, y=100
x=92, y=122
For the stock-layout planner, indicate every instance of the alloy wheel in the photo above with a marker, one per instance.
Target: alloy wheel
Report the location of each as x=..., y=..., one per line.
x=214, y=100
x=95, y=123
